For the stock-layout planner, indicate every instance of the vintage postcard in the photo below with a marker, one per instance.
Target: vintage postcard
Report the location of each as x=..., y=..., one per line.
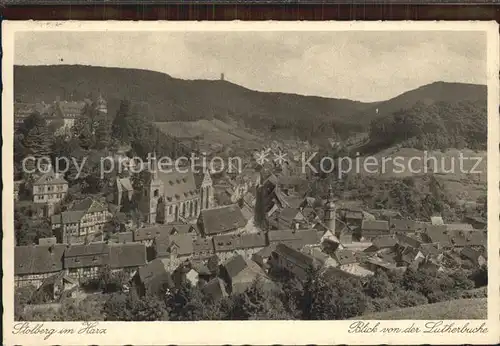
x=210, y=183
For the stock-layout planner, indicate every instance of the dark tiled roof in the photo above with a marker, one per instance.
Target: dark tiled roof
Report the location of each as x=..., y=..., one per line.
x=215, y=289
x=123, y=237
x=50, y=178
x=155, y=275
x=459, y=227
x=127, y=255
x=375, y=225
x=203, y=246
x=38, y=259
x=401, y=225
x=151, y=232
x=223, y=219
x=384, y=242
x=429, y=249
x=89, y=255
x=438, y=234
x=347, y=257
x=296, y=239
x=183, y=242
x=298, y=258
x=178, y=186
x=235, y=265
x=470, y=253
x=232, y=242
x=471, y=238
x=404, y=239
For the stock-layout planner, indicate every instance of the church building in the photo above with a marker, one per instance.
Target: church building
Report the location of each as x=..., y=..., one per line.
x=178, y=195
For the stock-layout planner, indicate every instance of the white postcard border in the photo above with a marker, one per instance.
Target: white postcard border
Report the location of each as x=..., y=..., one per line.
x=249, y=332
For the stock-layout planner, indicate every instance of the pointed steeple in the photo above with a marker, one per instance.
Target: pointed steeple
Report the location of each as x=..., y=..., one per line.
x=330, y=210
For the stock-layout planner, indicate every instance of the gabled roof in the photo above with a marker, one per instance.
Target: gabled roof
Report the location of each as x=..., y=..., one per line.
x=124, y=184
x=177, y=185
x=123, y=237
x=222, y=219
x=438, y=234
x=68, y=217
x=203, y=246
x=155, y=275
x=235, y=265
x=401, y=225
x=183, y=244
x=215, y=289
x=384, y=242
x=347, y=257
x=88, y=205
x=296, y=239
x=50, y=178
x=151, y=232
x=239, y=241
x=86, y=255
x=296, y=257
x=127, y=255
x=459, y=227
x=375, y=225
x=470, y=253
x=38, y=259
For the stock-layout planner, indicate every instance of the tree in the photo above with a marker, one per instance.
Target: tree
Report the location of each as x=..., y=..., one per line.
x=185, y=304
x=258, y=303
x=102, y=132
x=378, y=285
x=130, y=307
x=37, y=140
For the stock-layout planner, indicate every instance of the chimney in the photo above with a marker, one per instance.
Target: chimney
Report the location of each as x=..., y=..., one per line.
x=222, y=76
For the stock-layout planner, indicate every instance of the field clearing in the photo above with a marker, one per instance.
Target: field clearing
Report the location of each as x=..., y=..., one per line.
x=459, y=309
x=209, y=131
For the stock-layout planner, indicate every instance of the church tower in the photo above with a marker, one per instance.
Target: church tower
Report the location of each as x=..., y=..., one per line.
x=152, y=193
x=207, y=191
x=330, y=211
x=101, y=104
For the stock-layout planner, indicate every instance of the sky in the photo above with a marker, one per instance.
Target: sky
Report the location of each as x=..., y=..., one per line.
x=364, y=66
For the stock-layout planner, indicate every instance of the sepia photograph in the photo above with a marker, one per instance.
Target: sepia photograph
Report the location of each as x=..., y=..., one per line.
x=273, y=173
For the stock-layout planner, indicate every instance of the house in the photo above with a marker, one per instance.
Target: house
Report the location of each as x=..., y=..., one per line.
x=127, y=257
x=203, y=248
x=154, y=278
x=83, y=261
x=352, y=216
x=288, y=259
x=374, y=228
x=476, y=221
x=84, y=222
x=261, y=257
x=23, y=110
x=409, y=256
x=193, y=272
x=35, y=263
x=246, y=244
x=385, y=242
x=49, y=188
x=431, y=251
x=176, y=247
x=459, y=227
x=296, y=239
x=405, y=226
x=475, y=238
x=240, y=273
x=376, y=263
x=215, y=289
x=291, y=184
x=123, y=191
x=474, y=256
x=122, y=237
x=56, y=285
x=351, y=262
x=221, y=220
x=405, y=239
x=147, y=234
x=175, y=194
x=287, y=218
x=437, y=234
